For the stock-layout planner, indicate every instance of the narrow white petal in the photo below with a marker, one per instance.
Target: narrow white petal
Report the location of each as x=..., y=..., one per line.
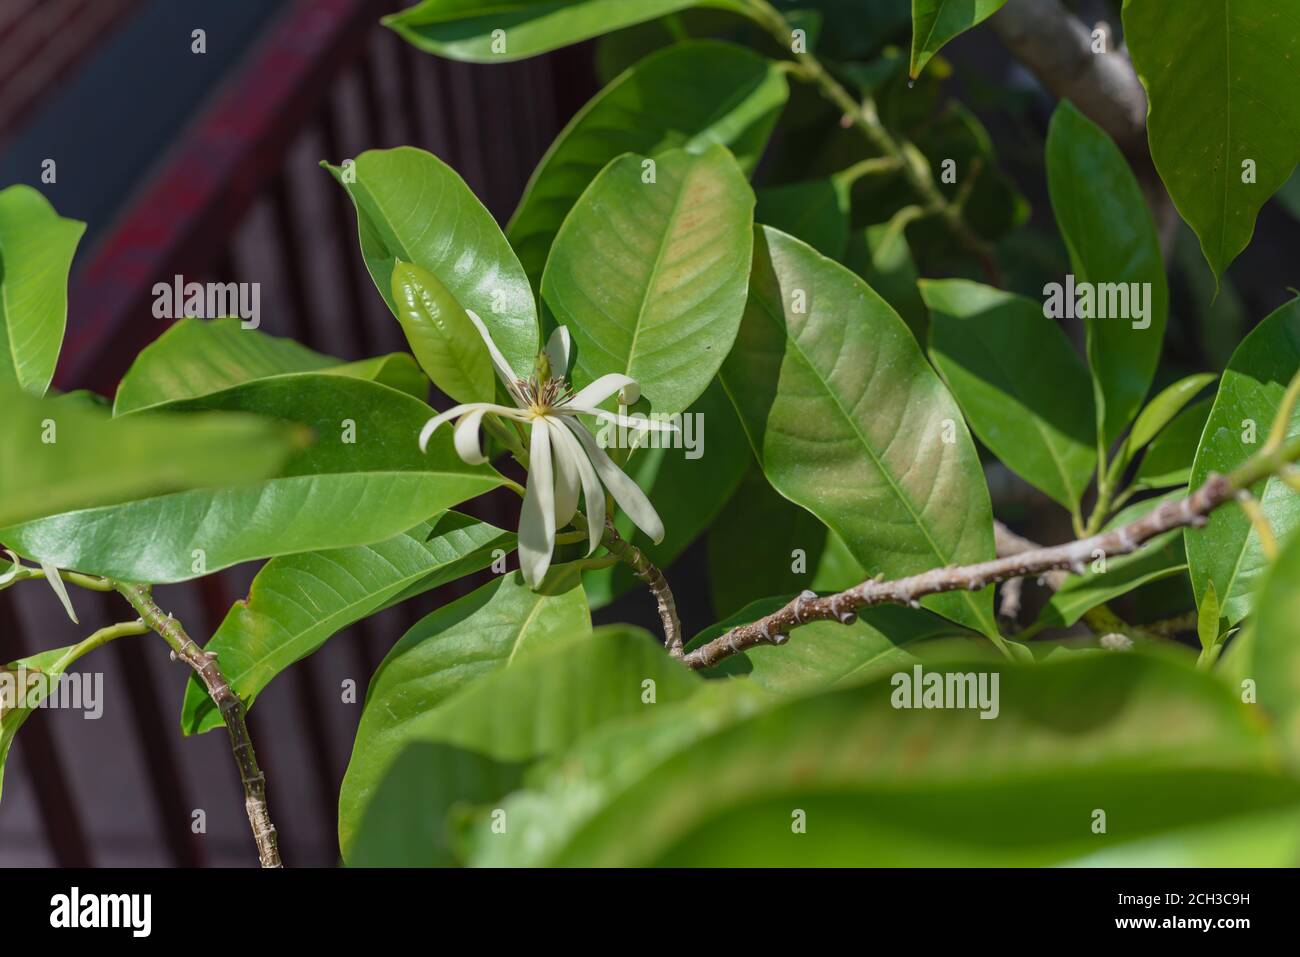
x=466, y=438
x=567, y=480
x=558, y=349
x=455, y=412
x=537, y=519
x=13, y=572
x=593, y=492
x=642, y=424
x=52, y=576
x=626, y=492
x=604, y=387
x=504, y=372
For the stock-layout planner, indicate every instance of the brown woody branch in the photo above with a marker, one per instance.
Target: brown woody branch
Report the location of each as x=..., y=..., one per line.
x=654, y=579
x=1073, y=556
x=228, y=703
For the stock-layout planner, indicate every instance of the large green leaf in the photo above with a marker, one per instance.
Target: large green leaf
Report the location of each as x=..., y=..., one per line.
x=503, y=30
x=1132, y=735
x=16, y=705
x=414, y=207
x=689, y=95
x=60, y=454
x=1108, y=229
x=689, y=487
x=1274, y=655
x=364, y=479
x=1227, y=550
x=650, y=276
x=197, y=357
x=1022, y=386
x=935, y=22
x=1168, y=459
x=297, y=602
x=539, y=703
x=815, y=211
x=36, y=249
x=823, y=654
x=1221, y=88
x=880, y=254
x=848, y=420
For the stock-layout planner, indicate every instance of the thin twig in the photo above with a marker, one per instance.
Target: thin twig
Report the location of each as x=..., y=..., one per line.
x=649, y=573
x=228, y=703
x=1190, y=511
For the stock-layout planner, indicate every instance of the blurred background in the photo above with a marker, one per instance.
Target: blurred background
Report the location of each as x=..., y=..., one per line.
x=206, y=165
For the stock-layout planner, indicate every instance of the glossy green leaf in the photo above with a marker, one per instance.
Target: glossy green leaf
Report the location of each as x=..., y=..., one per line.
x=935, y=22
x=1104, y=579
x=1024, y=390
x=650, y=277
x=689, y=95
x=814, y=211
x=414, y=207
x=848, y=420
x=1207, y=618
x=882, y=785
x=21, y=691
x=298, y=602
x=36, y=250
x=1168, y=459
x=442, y=336
x=199, y=357
x=1107, y=227
x=562, y=684
x=824, y=654
x=363, y=480
x=689, y=487
x=1273, y=660
x=1227, y=550
x=513, y=29
x=60, y=454
x=1161, y=410
x=1221, y=92
x=880, y=254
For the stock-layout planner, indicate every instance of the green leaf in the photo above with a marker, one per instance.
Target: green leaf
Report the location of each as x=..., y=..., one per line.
x=848, y=420
x=60, y=454
x=514, y=29
x=1207, y=618
x=935, y=22
x=36, y=249
x=199, y=357
x=14, y=714
x=689, y=487
x=1161, y=410
x=814, y=211
x=414, y=207
x=297, y=602
x=1107, y=227
x=1023, y=388
x=363, y=480
x=1162, y=557
x=880, y=254
x=1221, y=91
x=650, y=276
x=824, y=654
x=442, y=336
x=1227, y=550
x=882, y=785
x=536, y=705
x=690, y=95
x=1168, y=459
x=1273, y=657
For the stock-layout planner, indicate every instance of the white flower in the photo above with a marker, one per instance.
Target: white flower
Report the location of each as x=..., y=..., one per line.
x=563, y=457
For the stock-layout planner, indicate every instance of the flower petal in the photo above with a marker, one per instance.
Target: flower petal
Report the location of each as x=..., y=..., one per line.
x=456, y=411
x=642, y=424
x=56, y=582
x=466, y=437
x=567, y=480
x=504, y=372
x=600, y=390
x=626, y=492
x=593, y=492
x=537, y=519
x=558, y=349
